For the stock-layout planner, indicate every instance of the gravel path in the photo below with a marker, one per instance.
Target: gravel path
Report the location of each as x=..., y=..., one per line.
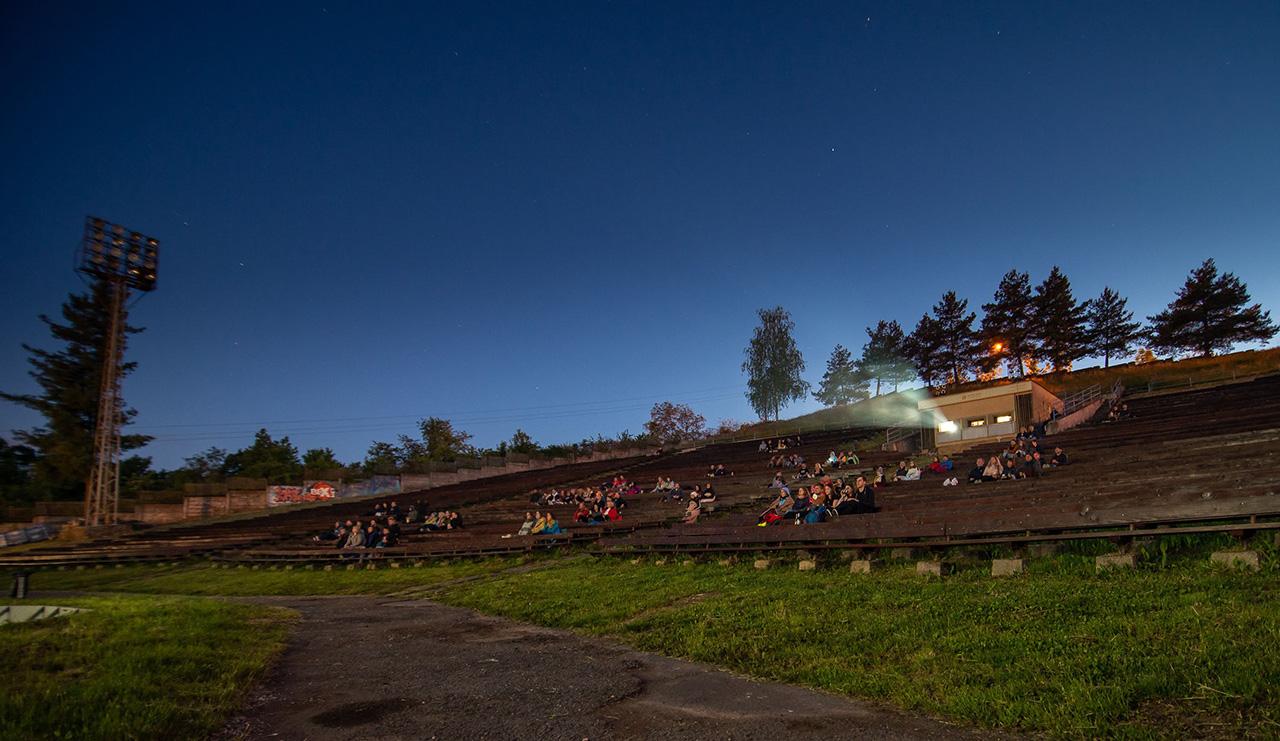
x=366, y=667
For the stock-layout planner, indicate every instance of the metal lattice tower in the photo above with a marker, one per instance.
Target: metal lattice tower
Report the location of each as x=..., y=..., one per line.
x=124, y=260
x=102, y=493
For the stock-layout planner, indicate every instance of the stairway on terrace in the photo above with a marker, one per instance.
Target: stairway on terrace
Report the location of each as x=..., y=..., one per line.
x=1205, y=453
x=289, y=525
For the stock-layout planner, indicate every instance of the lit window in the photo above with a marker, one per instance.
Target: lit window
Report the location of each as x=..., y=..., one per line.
x=947, y=426
x=978, y=422
x=1001, y=419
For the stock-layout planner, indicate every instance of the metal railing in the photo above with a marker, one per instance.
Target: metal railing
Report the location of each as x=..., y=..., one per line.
x=1080, y=399
x=897, y=434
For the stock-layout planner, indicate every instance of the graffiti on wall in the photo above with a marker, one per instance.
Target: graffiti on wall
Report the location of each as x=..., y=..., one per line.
x=320, y=491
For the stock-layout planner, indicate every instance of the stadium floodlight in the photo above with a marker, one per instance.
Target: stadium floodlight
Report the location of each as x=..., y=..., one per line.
x=125, y=260
x=110, y=251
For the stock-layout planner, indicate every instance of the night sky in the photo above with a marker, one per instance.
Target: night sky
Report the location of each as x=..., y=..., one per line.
x=551, y=215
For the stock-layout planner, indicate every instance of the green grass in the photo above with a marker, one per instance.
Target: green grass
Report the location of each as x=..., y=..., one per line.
x=134, y=667
x=207, y=580
x=1174, y=649
x=1062, y=651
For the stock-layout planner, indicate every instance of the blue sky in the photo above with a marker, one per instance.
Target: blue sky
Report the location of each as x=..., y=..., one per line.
x=553, y=215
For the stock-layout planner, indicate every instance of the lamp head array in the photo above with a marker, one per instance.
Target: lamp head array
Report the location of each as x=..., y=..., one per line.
x=112, y=251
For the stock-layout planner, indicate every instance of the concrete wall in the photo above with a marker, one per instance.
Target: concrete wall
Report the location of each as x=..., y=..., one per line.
x=1076, y=418
x=976, y=415
x=239, y=500
x=1043, y=402
x=411, y=482
x=199, y=506
x=153, y=513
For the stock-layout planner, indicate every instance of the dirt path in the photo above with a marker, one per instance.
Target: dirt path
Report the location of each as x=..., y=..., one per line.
x=367, y=667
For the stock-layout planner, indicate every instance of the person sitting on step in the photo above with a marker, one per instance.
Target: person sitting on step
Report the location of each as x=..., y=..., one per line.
x=692, y=512
x=865, y=494
x=799, y=506
x=845, y=503
x=976, y=473
x=994, y=470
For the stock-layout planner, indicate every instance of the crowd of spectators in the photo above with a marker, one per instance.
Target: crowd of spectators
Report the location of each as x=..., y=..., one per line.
x=1021, y=459
x=595, y=505
x=386, y=524
x=786, y=460
x=820, y=502
x=779, y=444
x=539, y=523
x=361, y=534
x=824, y=495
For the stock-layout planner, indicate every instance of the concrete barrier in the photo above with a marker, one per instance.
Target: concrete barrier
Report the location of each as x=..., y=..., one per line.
x=1115, y=561
x=934, y=568
x=1236, y=559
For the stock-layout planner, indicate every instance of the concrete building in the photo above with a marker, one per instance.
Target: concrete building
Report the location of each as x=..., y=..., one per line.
x=956, y=421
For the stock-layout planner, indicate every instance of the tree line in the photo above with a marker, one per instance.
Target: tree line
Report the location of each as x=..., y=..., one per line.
x=1024, y=331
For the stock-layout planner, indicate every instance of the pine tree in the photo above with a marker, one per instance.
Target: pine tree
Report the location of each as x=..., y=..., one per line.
x=773, y=364
x=959, y=349
x=1210, y=314
x=15, y=471
x=1059, y=322
x=923, y=347
x=844, y=381
x=1112, y=330
x=69, y=380
x=1006, y=323
x=883, y=358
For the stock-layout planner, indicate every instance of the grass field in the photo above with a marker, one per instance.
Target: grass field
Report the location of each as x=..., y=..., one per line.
x=1175, y=652
x=236, y=582
x=134, y=667
x=1174, y=649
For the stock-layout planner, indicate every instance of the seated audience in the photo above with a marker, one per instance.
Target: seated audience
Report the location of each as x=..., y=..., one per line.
x=330, y=534
x=976, y=473
x=993, y=470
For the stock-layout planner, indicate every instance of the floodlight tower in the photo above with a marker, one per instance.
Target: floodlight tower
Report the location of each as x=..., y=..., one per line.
x=125, y=260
